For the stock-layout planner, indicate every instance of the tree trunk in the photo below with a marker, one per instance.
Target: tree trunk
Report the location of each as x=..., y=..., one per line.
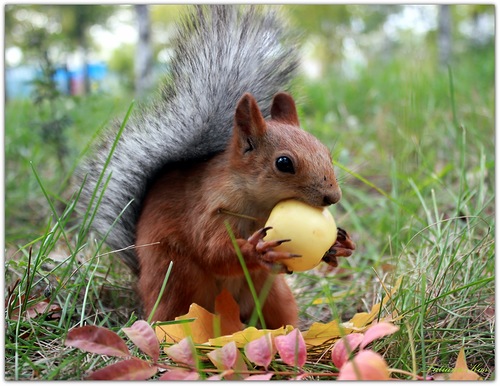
x=444, y=35
x=144, y=52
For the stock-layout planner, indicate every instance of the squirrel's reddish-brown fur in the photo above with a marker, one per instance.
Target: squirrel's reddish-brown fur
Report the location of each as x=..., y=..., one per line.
x=183, y=215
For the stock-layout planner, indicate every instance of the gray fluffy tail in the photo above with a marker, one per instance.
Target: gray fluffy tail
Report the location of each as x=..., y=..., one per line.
x=220, y=53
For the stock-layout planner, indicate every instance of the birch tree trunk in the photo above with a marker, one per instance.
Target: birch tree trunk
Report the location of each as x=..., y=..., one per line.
x=445, y=42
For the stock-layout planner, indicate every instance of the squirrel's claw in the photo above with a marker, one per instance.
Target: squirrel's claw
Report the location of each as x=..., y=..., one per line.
x=266, y=255
x=343, y=247
x=258, y=236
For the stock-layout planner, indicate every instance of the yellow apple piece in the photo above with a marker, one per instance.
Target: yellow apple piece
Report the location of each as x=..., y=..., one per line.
x=312, y=232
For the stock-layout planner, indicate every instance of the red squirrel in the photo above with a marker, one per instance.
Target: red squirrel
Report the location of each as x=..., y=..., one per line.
x=222, y=143
x=185, y=209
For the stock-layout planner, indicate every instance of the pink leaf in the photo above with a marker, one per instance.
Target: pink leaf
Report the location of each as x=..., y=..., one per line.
x=259, y=377
x=378, y=331
x=97, y=340
x=224, y=358
x=260, y=351
x=144, y=337
x=340, y=353
x=183, y=352
x=127, y=370
x=292, y=348
x=365, y=366
x=180, y=375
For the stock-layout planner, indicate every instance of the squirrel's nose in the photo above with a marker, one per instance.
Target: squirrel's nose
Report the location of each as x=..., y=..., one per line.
x=332, y=198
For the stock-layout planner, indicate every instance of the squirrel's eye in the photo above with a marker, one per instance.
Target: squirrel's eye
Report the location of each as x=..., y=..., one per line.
x=285, y=165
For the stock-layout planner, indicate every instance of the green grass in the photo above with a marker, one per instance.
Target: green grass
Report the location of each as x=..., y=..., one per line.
x=424, y=140
x=414, y=149
x=26, y=148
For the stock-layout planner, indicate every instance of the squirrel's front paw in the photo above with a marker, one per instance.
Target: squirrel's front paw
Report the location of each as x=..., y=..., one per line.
x=267, y=255
x=343, y=247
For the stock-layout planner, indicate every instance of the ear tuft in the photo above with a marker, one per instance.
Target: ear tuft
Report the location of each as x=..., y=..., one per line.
x=283, y=109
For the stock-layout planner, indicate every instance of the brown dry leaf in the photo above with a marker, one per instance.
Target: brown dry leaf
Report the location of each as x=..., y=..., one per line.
x=132, y=369
x=229, y=312
x=179, y=375
x=97, y=340
x=241, y=338
x=38, y=307
x=42, y=307
x=461, y=372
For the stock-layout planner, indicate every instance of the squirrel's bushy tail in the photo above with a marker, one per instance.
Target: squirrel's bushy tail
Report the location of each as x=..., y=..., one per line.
x=220, y=52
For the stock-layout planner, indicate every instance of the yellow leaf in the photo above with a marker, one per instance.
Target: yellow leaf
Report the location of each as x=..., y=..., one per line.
x=461, y=372
x=241, y=338
x=201, y=329
x=319, y=333
x=206, y=325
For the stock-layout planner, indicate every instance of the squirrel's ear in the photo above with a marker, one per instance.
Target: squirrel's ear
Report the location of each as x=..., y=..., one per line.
x=283, y=109
x=248, y=117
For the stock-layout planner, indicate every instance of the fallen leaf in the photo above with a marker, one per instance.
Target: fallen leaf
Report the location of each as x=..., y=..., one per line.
x=127, y=370
x=144, y=337
x=206, y=324
x=179, y=375
x=229, y=312
x=40, y=308
x=241, y=338
x=365, y=366
x=319, y=333
x=260, y=351
x=229, y=359
x=200, y=330
x=340, y=353
x=377, y=331
x=183, y=352
x=97, y=340
x=461, y=372
x=224, y=358
x=292, y=348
